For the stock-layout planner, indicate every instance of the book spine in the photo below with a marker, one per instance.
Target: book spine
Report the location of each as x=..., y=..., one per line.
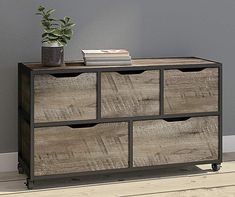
x=106, y=55
x=107, y=63
x=121, y=58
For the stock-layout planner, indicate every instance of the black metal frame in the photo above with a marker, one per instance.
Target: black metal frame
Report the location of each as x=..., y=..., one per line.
x=30, y=169
x=220, y=105
x=19, y=110
x=32, y=177
x=23, y=166
x=130, y=144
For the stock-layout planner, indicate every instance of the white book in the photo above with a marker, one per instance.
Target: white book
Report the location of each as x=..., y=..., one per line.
x=107, y=63
x=117, y=58
x=105, y=53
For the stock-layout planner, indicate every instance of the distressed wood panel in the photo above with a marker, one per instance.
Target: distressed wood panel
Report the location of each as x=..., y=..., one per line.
x=157, y=142
x=188, y=92
x=129, y=95
x=135, y=62
x=61, y=99
x=60, y=150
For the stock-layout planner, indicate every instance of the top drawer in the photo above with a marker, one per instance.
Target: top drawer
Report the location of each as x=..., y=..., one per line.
x=191, y=90
x=129, y=93
x=63, y=97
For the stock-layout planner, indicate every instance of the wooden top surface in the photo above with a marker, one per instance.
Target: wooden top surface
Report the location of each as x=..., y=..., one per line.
x=135, y=63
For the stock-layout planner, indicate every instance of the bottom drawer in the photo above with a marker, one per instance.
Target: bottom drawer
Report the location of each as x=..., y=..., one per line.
x=59, y=150
x=158, y=142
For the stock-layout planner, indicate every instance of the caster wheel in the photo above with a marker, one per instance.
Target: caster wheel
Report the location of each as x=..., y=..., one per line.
x=215, y=167
x=20, y=169
x=29, y=184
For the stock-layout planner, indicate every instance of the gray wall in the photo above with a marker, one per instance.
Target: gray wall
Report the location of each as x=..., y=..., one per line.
x=150, y=28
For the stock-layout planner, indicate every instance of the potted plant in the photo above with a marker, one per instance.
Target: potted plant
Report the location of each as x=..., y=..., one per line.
x=56, y=33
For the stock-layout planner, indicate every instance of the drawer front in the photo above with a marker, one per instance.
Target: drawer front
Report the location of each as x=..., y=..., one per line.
x=131, y=93
x=59, y=98
x=158, y=142
x=188, y=91
x=60, y=150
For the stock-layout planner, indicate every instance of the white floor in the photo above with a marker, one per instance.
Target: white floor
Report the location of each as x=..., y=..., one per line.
x=185, y=182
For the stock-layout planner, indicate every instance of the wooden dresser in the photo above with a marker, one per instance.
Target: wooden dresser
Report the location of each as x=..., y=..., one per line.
x=81, y=120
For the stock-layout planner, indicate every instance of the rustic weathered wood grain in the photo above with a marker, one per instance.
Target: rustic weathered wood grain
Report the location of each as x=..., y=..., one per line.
x=129, y=95
x=60, y=150
x=188, y=92
x=25, y=141
x=157, y=142
x=135, y=62
x=61, y=99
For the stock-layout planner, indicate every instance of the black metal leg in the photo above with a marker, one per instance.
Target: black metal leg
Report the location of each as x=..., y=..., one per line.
x=20, y=168
x=216, y=166
x=29, y=183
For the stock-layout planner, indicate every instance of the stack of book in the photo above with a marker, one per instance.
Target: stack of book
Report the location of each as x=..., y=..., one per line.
x=110, y=57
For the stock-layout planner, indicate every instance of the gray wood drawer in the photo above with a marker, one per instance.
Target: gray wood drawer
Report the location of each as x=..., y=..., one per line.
x=158, y=142
x=62, y=98
x=131, y=93
x=60, y=150
x=189, y=91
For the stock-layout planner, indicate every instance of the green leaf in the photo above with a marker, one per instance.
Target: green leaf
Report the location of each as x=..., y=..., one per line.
x=69, y=25
x=68, y=31
x=52, y=35
x=67, y=19
x=52, y=38
x=63, y=40
x=46, y=24
x=55, y=24
x=41, y=8
x=63, y=21
x=48, y=30
x=46, y=16
x=67, y=37
x=50, y=19
x=57, y=32
x=44, y=35
x=50, y=11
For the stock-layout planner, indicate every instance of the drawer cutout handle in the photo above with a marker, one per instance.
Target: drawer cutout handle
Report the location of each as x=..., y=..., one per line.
x=176, y=119
x=191, y=69
x=131, y=72
x=64, y=75
x=82, y=125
